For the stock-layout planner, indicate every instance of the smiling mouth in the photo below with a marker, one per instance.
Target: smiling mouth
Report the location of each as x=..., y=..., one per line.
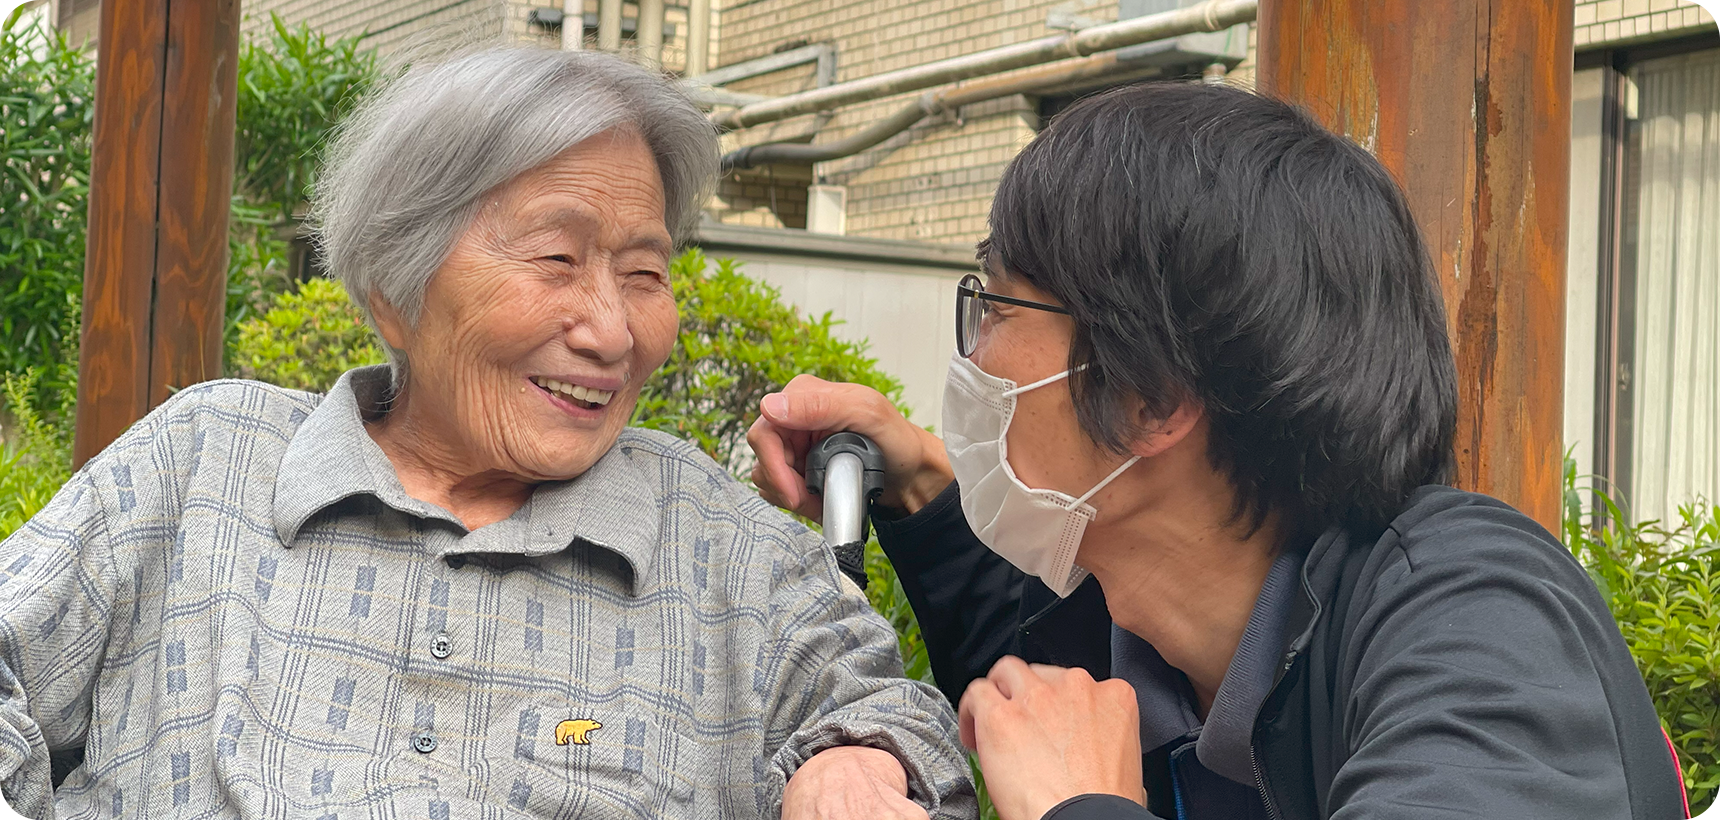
x=582, y=397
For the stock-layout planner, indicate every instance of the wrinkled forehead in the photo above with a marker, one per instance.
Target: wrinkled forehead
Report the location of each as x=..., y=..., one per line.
x=599, y=187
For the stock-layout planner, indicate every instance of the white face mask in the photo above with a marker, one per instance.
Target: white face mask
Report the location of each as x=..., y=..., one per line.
x=1038, y=531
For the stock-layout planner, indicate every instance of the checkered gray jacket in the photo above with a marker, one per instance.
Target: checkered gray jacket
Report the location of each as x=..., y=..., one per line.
x=238, y=612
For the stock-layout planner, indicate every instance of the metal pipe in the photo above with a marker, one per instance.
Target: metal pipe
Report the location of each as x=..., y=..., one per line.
x=822, y=53
x=929, y=104
x=799, y=153
x=698, y=37
x=609, y=25
x=707, y=96
x=572, y=25
x=1213, y=15
x=844, y=500
x=650, y=32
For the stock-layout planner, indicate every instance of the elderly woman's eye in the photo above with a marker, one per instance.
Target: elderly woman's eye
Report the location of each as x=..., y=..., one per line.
x=560, y=257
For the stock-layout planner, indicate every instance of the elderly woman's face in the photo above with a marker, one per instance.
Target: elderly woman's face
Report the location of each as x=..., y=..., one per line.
x=549, y=314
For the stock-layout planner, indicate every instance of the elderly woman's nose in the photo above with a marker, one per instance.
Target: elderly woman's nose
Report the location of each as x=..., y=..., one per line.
x=597, y=325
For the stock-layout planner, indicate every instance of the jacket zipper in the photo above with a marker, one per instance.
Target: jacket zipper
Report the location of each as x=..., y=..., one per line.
x=1253, y=751
x=1289, y=661
x=1260, y=783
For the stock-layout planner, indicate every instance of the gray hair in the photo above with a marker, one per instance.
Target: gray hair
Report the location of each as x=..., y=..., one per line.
x=409, y=169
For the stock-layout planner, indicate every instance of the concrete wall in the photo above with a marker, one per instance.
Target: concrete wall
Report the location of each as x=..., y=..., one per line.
x=898, y=297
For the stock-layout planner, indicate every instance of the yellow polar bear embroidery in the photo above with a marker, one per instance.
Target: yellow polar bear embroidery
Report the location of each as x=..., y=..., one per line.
x=575, y=731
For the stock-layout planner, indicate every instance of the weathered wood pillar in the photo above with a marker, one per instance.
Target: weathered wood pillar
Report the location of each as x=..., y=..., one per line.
x=1468, y=103
x=155, y=275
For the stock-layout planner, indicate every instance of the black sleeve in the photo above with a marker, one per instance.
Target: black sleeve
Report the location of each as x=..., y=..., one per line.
x=966, y=597
x=1488, y=679
x=1099, y=807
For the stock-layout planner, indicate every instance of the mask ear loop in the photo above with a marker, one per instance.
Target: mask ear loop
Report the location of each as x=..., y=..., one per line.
x=1008, y=394
x=1108, y=480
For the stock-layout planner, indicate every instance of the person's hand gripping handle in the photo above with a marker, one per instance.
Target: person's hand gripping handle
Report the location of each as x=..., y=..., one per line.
x=809, y=410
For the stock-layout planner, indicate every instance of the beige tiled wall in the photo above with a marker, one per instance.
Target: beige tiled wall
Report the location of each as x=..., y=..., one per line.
x=388, y=25
x=1605, y=23
x=931, y=183
x=408, y=28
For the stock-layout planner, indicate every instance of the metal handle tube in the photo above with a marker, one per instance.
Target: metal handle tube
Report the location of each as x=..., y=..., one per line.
x=844, y=500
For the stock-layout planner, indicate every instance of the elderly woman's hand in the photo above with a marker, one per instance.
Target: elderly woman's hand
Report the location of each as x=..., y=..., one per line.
x=810, y=408
x=1045, y=734
x=850, y=782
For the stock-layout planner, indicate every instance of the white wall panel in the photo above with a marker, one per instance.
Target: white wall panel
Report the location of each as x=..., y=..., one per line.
x=905, y=313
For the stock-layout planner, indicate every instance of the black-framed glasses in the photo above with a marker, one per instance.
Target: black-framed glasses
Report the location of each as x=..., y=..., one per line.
x=971, y=307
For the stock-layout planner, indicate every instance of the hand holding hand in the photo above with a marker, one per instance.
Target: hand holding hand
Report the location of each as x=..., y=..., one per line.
x=850, y=783
x=809, y=409
x=1045, y=734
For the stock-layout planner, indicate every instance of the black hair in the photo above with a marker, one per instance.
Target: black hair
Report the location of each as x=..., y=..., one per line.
x=1221, y=247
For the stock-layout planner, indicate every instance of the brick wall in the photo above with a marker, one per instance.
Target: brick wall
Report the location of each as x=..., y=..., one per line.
x=935, y=182
x=388, y=25
x=408, y=28
x=1606, y=23
x=932, y=183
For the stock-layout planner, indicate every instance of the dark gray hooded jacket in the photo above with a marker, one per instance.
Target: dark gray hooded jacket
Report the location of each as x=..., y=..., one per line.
x=1458, y=664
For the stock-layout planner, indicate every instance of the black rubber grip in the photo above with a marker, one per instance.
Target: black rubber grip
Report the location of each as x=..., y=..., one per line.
x=871, y=461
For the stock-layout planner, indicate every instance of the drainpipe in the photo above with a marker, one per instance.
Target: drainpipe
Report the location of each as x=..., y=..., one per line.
x=929, y=104
x=1213, y=15
x=608, y=25
x=650, y=32
x=572, y=25
x=698, y=37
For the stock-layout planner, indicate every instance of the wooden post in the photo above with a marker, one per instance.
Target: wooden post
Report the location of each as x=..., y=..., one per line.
x=155, y=274
x=1467, y=102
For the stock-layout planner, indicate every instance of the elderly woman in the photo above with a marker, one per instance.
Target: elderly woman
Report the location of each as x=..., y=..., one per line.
x=458, y=585
x=1194, y=442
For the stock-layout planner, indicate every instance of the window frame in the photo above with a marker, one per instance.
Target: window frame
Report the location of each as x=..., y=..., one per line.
x=1615, y=331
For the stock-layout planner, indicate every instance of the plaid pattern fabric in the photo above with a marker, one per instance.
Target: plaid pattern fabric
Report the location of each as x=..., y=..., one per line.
x=238, y=611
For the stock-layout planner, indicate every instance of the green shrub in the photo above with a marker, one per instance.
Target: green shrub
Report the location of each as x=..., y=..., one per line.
x=1663, y=586
x=295, y=86
x=738, y=342
x=256, y=269
x=37, y=456
x=306, y=339
x=47, y=104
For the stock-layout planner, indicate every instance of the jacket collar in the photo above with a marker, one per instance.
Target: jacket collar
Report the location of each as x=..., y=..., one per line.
x=1165, y=699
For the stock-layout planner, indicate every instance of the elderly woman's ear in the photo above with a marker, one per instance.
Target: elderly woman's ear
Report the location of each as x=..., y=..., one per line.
x=389, y=324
